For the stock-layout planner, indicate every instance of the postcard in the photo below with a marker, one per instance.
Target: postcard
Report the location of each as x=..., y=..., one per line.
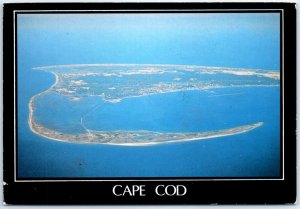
x=149, y=103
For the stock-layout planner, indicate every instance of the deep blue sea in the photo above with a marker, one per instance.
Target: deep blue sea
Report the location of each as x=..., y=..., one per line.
x=228, y=40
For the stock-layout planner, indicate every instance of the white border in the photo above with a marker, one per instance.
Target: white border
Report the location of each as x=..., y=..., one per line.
x=150, y=180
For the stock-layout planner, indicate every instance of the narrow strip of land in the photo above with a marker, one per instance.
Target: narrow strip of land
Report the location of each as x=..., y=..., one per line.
x=80, y=81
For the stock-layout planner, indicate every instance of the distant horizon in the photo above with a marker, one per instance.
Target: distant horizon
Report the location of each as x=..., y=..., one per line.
x=157, y=64
x=237, y=40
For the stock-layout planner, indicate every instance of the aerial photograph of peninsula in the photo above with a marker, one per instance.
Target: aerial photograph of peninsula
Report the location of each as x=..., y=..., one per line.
x=110, y=95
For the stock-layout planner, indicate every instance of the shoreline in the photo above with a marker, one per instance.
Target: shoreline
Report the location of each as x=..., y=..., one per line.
x=136, y=138
x=147, y=64
x=31, y=106
x=113, y=101
x=124, y=138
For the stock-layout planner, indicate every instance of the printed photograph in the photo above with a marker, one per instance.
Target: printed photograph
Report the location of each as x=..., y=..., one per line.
x=148, y=95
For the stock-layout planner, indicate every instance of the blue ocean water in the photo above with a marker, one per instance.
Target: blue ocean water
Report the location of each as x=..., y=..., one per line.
x=188, y=111
x=229, y=40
